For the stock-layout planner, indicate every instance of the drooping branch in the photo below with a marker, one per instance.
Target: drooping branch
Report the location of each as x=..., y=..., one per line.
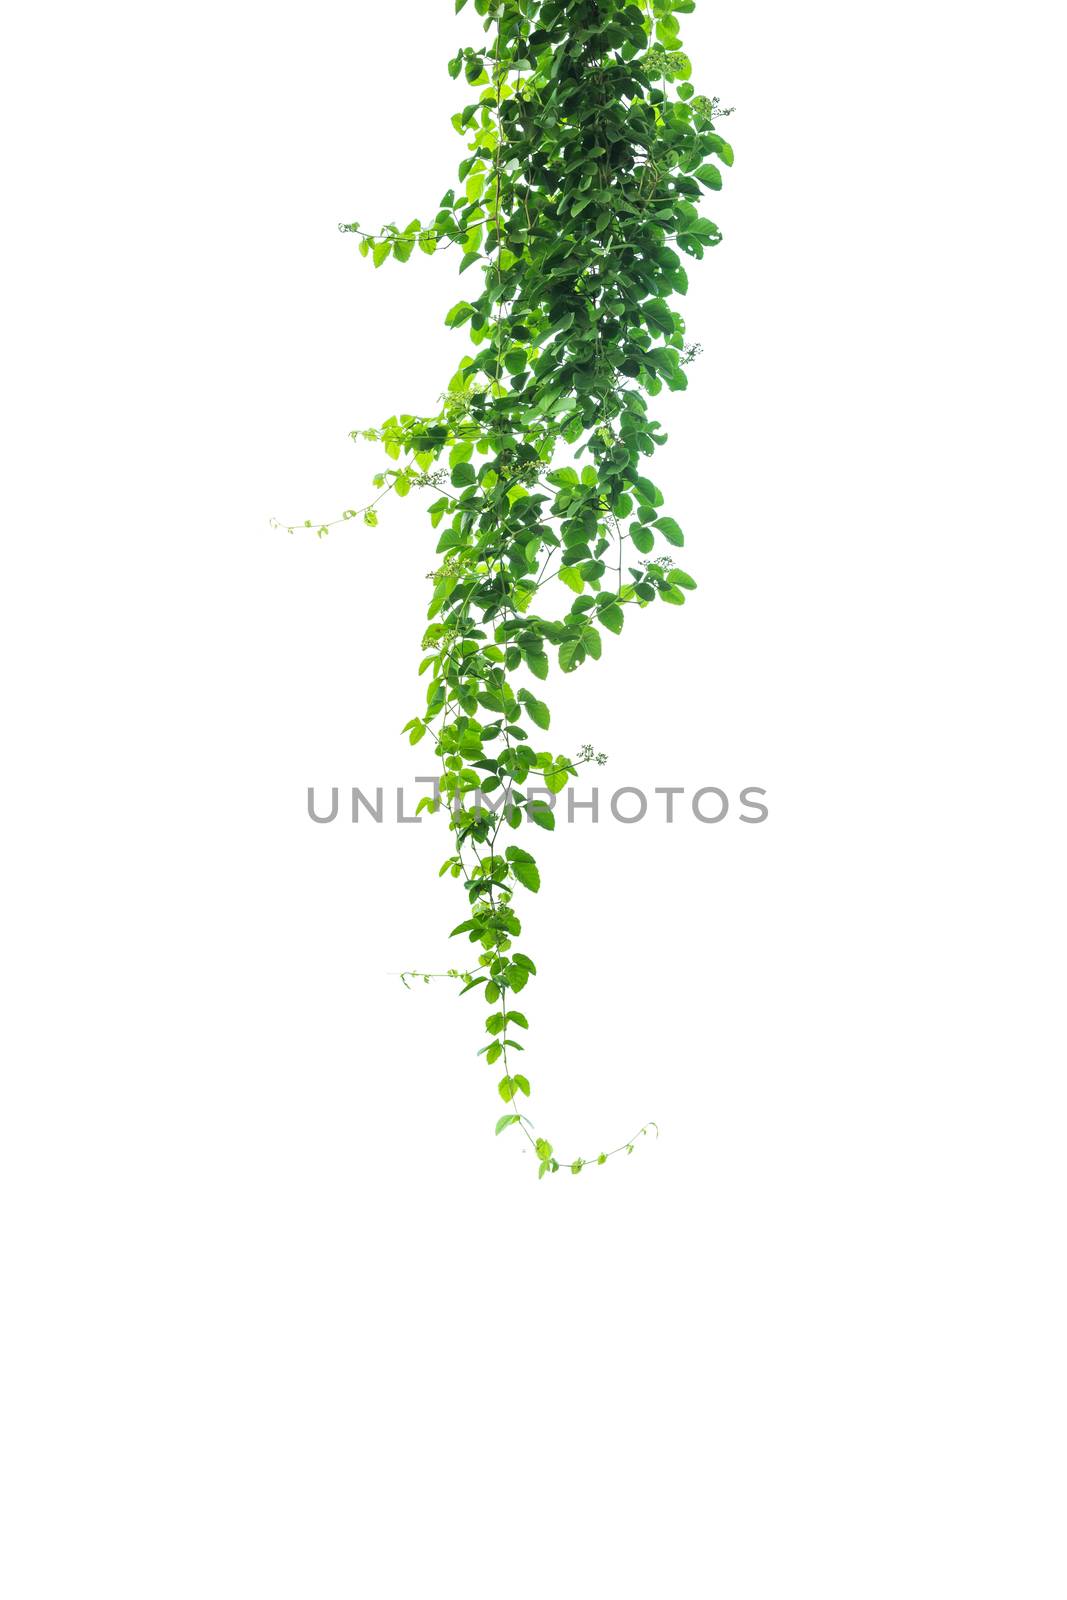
x=589, y=154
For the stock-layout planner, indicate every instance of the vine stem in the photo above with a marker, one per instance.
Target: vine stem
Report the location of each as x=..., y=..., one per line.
x=528, y=1128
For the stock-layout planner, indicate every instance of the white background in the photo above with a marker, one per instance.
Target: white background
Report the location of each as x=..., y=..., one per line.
x=281, y=1318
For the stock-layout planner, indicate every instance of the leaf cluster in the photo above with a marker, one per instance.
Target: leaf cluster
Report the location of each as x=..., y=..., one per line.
x=589, y=156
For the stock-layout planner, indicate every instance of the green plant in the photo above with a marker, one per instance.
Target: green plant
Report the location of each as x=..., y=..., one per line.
x=589, y=152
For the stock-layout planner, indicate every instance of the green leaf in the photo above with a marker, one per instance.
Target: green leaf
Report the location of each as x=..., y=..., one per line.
x=642, y=538
x=659, y=315
x=709, y=176
x=556, y=772
x=538, y=711
x=670, y=530
x=612, y=618
x=591, y=642
x=528, y=875
x=507, y=1120
x=539, y=812
x=570, y=654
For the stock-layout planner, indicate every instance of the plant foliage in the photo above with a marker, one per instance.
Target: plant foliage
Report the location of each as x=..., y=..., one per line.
x=576, y=207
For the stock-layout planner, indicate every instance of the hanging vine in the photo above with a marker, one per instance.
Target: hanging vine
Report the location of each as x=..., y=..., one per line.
x=589, y=153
